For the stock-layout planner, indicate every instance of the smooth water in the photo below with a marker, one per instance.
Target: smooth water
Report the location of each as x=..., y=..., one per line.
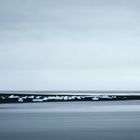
x=118, y=120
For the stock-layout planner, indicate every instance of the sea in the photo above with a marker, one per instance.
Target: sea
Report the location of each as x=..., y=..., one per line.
x=104, y=120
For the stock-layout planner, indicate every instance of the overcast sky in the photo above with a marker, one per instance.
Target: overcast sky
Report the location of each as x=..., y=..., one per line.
x=69, y=44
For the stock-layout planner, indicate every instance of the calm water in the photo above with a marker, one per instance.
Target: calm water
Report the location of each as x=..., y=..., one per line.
x=75, y=120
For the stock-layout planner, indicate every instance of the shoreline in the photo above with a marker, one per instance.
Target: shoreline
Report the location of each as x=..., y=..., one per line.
x=30, y=98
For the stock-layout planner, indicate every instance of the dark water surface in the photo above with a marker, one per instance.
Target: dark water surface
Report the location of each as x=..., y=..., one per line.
x=71, y=121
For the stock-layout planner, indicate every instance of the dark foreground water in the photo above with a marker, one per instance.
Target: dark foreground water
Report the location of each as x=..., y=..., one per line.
x=71, y=121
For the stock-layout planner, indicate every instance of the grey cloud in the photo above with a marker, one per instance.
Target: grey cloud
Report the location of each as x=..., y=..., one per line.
x=68, y=36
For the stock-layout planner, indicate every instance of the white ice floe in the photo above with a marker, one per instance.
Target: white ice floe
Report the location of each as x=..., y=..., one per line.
x=38, y=97
x=31, y=97
x=78, y=97
x=105, y=96
x=65, y=97
x=45, y=99
x=55, y=98
x=20, y=100
x=72, y=97
x=12, y=96
x=58, y=97
x=95, y=98
x=25, y=97
x=51, y=97
x=37, y=100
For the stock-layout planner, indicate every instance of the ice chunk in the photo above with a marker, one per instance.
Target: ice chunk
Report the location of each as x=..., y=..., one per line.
x=20, y=100
x=12, y=96
x=38, y=97
x=25, y=97
x=45, y=99
x=95, y=98
x=37, y=100
x=65, y=97
x=31, y=97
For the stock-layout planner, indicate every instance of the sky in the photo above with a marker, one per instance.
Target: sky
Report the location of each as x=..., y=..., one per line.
x=69, y=45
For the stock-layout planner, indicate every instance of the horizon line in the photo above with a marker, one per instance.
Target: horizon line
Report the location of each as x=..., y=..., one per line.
x=73, y=91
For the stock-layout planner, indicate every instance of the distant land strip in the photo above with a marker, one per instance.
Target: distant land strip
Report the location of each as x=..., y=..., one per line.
x=63, y=95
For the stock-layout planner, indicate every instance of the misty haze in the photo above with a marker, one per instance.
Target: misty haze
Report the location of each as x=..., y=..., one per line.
x=69, y=69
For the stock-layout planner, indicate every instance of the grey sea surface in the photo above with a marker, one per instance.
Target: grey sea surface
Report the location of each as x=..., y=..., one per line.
x=119, y=120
